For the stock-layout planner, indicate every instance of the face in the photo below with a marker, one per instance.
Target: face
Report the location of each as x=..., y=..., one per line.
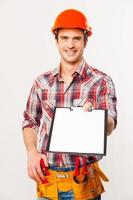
x=71, y=44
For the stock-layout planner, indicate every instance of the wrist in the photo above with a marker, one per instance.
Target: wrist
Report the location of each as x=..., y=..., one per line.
x=31, y=148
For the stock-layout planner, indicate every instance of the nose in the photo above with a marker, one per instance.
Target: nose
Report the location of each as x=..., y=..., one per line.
x=70, y=43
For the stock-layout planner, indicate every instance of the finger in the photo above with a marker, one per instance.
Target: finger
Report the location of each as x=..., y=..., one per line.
x=29, y=170
x=35, y=176
x=30, y=174
x=40, y=172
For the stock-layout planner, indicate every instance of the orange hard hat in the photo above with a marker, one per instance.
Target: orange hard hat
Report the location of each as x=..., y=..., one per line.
x=71, y=18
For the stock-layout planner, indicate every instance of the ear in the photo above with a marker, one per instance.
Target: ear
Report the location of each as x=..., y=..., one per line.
x=85, y=43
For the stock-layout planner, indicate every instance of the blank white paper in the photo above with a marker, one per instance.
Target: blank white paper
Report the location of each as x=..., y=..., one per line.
x=78, y=131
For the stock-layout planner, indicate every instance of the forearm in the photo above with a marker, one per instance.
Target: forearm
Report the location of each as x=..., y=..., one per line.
x=30, y=139
x=110, y=125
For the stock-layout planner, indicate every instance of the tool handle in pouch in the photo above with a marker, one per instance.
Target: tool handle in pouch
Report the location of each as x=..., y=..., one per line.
x=44, y=170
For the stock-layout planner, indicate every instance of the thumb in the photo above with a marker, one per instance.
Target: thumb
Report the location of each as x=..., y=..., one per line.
x=87, y=106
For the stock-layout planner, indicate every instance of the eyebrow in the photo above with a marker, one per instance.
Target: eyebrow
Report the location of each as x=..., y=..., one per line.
x=65, y=37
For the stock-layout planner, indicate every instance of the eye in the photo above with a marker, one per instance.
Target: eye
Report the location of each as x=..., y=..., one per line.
x=63, y=38
x=77, y=38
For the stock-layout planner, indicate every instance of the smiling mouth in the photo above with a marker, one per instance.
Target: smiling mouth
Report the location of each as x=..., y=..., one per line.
x=70, y=53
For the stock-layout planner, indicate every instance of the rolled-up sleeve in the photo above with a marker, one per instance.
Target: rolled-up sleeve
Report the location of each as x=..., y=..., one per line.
x=33, y=112
x=107, y=98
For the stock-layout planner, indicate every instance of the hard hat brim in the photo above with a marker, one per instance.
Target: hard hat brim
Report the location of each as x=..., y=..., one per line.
x=54, y=29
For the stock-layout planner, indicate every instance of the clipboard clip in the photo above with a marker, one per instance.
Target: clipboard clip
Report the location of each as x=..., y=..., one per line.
x=71, y=109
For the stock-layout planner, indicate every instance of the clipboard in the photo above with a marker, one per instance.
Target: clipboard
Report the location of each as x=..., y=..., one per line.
x=75, y=131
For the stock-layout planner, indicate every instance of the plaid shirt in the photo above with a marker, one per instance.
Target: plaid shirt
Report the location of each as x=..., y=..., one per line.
x=49, y=90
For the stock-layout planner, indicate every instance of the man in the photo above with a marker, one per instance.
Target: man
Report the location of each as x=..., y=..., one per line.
x=72, y=83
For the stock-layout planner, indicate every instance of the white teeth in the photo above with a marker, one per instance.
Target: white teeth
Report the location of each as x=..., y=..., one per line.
x=70, y=52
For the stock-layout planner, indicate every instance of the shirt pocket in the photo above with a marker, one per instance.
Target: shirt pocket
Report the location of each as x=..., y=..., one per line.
x=90, y=95
x=49, y=108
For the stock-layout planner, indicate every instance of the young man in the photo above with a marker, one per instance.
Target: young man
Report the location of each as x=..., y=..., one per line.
x=72, y=83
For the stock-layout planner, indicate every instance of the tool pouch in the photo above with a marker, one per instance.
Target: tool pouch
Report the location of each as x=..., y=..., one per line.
x=48, y=190
x=87, y=185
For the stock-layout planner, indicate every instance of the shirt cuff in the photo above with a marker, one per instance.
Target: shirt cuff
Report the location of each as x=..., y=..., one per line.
x=27, y=124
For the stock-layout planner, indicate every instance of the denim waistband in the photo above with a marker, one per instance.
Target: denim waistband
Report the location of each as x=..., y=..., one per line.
x=61, y=169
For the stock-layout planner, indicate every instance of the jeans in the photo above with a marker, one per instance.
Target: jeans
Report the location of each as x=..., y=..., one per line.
x=67, y=196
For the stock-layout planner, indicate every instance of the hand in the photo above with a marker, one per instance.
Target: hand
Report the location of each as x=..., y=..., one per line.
x=34, y=169
x=110, y=125
x=87, y=106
